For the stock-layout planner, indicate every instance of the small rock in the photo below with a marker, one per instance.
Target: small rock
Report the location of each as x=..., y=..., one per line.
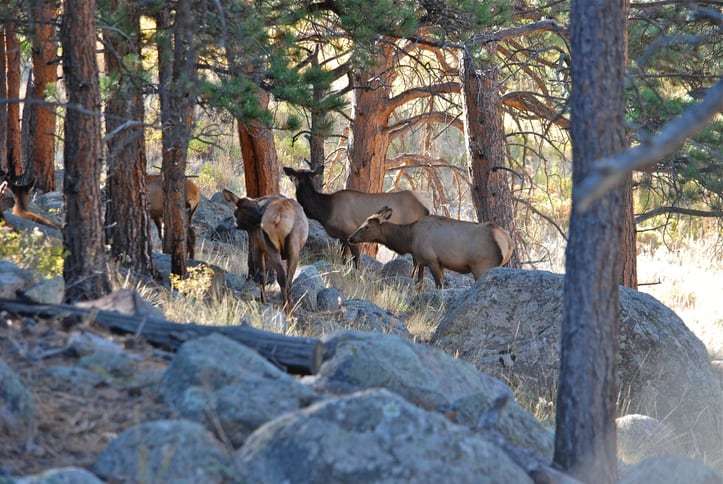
x=47, y=291
x=640, y=437
x=305, y=287
x=124, y=301
x=370, y=263
x=65, y=475
x=176, y=451
x=17, y=409
x=371, y=437
x=366, y=316
x=86, y=343
x=329, y=299
x=671, y=470
x=399, y=266
x=109, y=364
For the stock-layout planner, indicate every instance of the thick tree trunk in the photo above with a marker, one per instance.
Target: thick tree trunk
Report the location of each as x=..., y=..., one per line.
x=85, y=270
x=3, y=107
x=370, y=140
x=14, y=141
x=485, y=138
x=258, y=150
x=41, y=137
x=317, y=130
x=585, y=438
x=178, y=127
x=127, y=206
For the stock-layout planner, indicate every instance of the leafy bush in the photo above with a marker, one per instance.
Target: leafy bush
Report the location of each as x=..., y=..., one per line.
x=32, y=250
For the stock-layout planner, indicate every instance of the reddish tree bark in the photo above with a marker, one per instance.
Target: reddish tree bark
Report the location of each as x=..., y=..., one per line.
x=628, y=243
x=85, y=269
x=585, y=437
x=127, y=216
x=258, y=150
x=485, y=138
x=3, y=107
x=14, y=141
x=41, y=136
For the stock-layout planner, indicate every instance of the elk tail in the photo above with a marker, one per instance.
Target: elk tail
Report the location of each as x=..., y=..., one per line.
x=277, y=222
x=504, y=242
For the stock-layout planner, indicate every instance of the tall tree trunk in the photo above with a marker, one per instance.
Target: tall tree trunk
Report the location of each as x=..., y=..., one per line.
x=127, y=206
x=25, y=121
x=14, y=141
x=317, y=130
x=585, y=438
x=85, y=270
x=178, y=127
x=370, y=141
x=3, y=107
x=258, y=150
x=164, y=47
x=628, y=243
x=485, y=138
x=41, y=137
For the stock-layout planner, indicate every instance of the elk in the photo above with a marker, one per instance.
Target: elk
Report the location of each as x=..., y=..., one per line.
x=277, y=229
x=154, y=187
x=21, y=194
x=440, y=243
x=340, y=213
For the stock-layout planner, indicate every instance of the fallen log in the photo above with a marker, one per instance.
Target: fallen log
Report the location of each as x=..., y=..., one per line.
x=294, y=354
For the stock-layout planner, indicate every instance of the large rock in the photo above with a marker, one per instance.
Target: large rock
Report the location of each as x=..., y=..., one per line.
x=671, y=470
x=17, y=409
x=318, y=242
x=363, y=315
x=305, y=287
x=65, y=475
x=209, y=215
x=429, y=378
x=508, y=324
x=175, y=451
x=12, y=279
x=329, y=299
x=640, y=437
x=216, y=381
x=371, y=437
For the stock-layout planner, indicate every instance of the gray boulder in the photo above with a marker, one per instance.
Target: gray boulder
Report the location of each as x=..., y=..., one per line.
x=65, y=475
x=318, y=242
x=428, y=378
x=640, y=437
x=329, y=299
x=175, y=451
x=115, y=364
x=369, y=437
x=12, y=279
x=17, y=409
x=51, y=201
x=305, y=287
x=216, y=380
x=508, y=324
x=671, y=470
x=397, y=267
x=47, y=291
x=209, y=214
x=363, y=315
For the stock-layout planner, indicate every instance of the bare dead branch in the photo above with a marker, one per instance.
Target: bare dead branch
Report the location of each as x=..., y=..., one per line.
x=677, y=210
x=609, y=172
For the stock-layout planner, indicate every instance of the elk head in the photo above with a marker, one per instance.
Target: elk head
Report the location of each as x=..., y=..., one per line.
x=300, y=177
x=248, y=211
x=370, y=230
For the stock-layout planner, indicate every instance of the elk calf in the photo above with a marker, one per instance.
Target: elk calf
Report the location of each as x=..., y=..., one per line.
x=21, y=194
x=154, y=187
x=440, y=243
x=342, y=212
x=277, y=229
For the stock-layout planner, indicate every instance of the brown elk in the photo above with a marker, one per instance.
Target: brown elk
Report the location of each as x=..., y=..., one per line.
x=440, y=243
x=21, y=194
x=154, y=187
x=277, y=229
x=340, y=213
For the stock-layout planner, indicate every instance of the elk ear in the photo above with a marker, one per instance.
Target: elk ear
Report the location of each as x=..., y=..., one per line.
x=385, y=213
x=290, y=172
x=230, y=197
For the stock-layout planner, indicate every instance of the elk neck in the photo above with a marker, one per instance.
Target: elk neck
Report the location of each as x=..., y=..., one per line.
x=397, y=237
x=316, y=205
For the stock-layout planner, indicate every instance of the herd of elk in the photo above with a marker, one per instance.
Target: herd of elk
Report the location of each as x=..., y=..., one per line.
x=440, y=243
x=277, y=229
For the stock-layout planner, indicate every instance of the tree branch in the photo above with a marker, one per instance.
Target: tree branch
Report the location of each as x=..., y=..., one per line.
x=525, y=101
x=400, y=128
x=609, y=172
x=677, y=210
x=424, y=91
